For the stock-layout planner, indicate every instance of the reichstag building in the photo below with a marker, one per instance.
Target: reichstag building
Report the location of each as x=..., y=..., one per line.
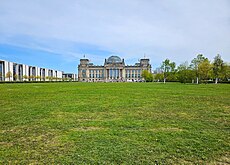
x=113, y=70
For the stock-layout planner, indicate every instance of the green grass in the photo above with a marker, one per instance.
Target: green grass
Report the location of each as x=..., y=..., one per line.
x=114, y=123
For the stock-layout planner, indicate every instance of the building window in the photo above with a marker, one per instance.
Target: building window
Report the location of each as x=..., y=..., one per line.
x=90, y=74
x=110, y=73
x=133, y=73
x=129, y=73
x=97, y=73
x=83, y=74
x=102, y=74
x=43, y=74
x=20, y=72
x=117, y=73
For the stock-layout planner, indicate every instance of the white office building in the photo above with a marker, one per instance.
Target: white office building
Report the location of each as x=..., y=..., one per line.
x=10, y=71
x=69, y=77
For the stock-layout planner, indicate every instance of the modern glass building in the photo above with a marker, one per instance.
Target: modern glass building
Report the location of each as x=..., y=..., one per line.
x=113, y=70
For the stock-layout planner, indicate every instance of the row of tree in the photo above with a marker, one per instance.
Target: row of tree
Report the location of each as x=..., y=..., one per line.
x=201, y=69
x=9, y=75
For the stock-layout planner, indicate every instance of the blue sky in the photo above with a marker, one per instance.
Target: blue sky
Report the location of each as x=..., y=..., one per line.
x=56, y=33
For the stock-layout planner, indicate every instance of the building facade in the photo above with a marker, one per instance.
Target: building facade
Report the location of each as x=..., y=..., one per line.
x=113, y=70
x=10, y=71
x=69, y=77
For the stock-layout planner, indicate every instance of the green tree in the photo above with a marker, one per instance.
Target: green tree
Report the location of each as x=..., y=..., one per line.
x=31, y=78
x=225, y=73
x=167, y=67
x=38, y=78
x=51, y=78
x=47, y=78
x=205, y=69
x=9, y=75
x=217, y=67
x=159, y=77
x=25, y=77
x=185, y=73
x=195, y=63
x=147, y=76
x=15, y=77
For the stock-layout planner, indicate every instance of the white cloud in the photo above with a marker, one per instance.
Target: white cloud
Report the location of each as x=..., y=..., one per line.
x=177, y=30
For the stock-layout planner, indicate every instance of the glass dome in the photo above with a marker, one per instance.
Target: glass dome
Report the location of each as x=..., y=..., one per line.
x=114, y=59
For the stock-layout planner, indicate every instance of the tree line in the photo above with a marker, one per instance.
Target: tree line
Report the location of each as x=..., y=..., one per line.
x=9, y=75
x=199, y=70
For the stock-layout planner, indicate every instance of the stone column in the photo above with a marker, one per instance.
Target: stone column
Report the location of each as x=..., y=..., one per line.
x=105, y=74
x=120, y=74
x=123, y=74
x=110, y=73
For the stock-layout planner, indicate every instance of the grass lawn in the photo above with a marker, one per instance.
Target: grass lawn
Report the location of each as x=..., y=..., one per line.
x=114, y=123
